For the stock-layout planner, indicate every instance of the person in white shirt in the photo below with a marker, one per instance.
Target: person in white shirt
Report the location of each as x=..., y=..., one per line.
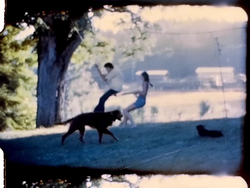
x=114, y=78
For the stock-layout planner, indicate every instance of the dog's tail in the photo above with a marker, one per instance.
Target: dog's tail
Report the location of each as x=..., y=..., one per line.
x=64, y=122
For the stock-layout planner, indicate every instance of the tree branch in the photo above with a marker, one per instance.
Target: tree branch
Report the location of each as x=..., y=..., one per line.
x=64, y=60
x=75, y=40
x=67, y=53
x=70, y=79
x=72, y=44
x=134, y=18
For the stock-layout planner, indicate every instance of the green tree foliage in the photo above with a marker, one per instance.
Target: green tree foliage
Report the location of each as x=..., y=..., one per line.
x=137, y=39
x=80, y=83
x=98, y=48
x=18, y=81
x=95, y=48
x=138, y=46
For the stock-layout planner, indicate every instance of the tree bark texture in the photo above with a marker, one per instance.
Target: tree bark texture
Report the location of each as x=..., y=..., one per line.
x=53, y=61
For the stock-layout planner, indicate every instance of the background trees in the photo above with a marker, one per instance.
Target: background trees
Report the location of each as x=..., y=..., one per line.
x=61, y=38
x=18, y=81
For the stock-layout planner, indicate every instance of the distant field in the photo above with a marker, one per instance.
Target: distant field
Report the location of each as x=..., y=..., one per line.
x=179, y=106
x=171, y=105
x=162, y=98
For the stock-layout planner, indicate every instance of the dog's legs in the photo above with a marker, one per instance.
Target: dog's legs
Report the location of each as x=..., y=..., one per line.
x=100, y=132
x=110, y=133
x=82, y=130
x=70, y=131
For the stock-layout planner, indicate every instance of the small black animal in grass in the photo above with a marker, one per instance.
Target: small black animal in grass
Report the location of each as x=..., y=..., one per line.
x=208, y=133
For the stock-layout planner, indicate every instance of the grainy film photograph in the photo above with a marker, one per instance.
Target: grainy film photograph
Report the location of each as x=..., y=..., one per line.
x=122, y=90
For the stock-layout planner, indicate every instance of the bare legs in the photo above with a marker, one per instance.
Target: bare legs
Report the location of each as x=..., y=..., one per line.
x=127, y=115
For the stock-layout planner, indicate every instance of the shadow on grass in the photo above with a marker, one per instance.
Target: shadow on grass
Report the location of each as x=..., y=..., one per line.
x=162, y=148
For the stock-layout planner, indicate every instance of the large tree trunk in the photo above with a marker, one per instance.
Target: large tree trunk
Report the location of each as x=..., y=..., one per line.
x=47, y=80
x=60, y=103
x=52, y=67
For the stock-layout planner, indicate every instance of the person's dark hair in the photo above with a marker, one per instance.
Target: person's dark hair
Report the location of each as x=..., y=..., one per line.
x=109, y=65
x=146, y=78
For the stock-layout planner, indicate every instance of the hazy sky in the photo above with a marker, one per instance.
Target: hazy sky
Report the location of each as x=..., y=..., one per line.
x=182, y=13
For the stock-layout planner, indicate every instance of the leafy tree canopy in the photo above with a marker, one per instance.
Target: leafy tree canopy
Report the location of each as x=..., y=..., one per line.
x=18, y=81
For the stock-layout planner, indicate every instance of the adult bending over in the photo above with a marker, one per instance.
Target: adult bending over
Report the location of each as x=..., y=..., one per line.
x=114, y=78
x=140, y=102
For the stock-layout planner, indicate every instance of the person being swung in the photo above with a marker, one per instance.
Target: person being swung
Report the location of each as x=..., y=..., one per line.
x=140, y=102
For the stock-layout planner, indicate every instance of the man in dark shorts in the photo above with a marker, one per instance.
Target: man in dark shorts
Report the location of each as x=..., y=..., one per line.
x=114, y=78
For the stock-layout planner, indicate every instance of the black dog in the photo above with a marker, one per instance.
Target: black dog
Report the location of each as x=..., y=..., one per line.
x=97, y=120
x=208, y=133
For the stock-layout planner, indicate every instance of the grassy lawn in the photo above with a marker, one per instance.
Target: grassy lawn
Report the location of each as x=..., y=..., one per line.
x=163, y=147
